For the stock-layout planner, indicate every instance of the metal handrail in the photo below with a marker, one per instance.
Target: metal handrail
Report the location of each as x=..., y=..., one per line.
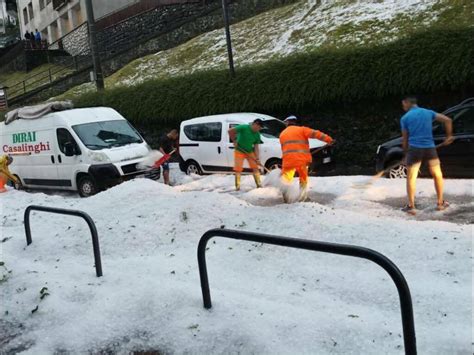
x=46, y=75
x=408, y=321
x=83, y=215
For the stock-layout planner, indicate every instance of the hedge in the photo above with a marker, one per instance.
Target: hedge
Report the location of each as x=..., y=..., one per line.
x=431, y=61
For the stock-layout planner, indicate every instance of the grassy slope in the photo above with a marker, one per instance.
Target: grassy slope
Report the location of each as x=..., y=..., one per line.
x=300, y=27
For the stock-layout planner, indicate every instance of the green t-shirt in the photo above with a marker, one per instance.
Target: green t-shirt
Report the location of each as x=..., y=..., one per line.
x=246, y=138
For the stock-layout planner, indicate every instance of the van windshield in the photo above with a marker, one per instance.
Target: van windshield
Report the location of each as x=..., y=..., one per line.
x=272, y=128
x=107, y=134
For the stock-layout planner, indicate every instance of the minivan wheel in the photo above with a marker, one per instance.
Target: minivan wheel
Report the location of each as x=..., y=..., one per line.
x=273, y=164
x=86, y=186
x=193, y=168
x=398, y=172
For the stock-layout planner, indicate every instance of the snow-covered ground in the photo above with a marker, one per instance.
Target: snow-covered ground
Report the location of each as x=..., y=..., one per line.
x=266, y=299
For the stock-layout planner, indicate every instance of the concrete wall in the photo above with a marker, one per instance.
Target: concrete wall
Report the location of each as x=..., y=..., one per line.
x=102, y=8
x=128, y=33
x=75, y=42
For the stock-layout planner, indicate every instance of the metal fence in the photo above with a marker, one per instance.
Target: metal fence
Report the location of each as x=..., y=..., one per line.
x=83, y=215
x=47, y=77
x=408, y=322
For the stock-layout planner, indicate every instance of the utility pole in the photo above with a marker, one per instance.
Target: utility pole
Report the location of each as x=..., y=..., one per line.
x=227, y=37
x=98, y=76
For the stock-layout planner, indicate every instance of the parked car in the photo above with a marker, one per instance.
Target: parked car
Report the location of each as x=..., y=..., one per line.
x=84, y=150
x=205, y=146
x=457, y=159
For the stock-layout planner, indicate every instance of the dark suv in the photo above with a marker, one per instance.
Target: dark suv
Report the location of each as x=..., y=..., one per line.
x=457, y=159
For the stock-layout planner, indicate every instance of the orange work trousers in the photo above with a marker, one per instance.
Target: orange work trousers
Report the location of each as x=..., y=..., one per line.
x=239, y=158
x=289, y=173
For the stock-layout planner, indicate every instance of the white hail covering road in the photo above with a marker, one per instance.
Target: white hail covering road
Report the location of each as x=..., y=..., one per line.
x=266, y=299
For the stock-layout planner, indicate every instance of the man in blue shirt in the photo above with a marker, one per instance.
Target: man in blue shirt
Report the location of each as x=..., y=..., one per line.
x=419, y=146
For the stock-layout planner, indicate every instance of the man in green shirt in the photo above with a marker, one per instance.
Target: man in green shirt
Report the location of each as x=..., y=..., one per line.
x=246, y=138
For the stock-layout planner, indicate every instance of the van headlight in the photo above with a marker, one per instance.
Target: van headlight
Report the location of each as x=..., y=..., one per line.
x=99, y=157
x=378, y=149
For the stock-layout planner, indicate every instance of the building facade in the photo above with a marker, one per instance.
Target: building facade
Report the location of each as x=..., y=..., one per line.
x=8, y=14
x=56, y=18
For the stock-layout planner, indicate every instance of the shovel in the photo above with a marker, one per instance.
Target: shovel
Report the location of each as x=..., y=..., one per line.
x=163, y=160
x=374, y=178
x=383, y=172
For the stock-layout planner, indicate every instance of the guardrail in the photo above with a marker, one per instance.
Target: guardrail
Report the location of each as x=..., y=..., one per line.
x=46, y=77
x=85, y=216
x=408, y=322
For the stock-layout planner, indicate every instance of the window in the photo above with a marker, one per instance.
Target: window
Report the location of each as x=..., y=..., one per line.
x=41, y=4
x=107, y=134
x=232, y=125
x=59, y=3
x=204, y=132
x=272, y=128
x=463, y=120
x=64, y=136
x=30, y=11
x=25, y=15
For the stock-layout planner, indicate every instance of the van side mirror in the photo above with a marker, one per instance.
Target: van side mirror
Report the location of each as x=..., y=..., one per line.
x=69, y=149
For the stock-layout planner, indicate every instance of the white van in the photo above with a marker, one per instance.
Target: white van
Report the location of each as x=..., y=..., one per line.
x=84, y=150
x=205, y=146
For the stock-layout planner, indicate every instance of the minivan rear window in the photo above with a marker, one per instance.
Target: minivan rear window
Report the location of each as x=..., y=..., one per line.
x=272, y=128
x=204, y=132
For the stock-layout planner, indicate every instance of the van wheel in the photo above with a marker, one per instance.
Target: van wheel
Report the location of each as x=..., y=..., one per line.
x=18, y=185
x=86, y=186
x=193, y=168
x=273, y=164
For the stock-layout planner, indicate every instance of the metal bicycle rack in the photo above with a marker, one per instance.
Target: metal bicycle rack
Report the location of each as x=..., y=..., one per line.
x=406, y=306
x=83, y=215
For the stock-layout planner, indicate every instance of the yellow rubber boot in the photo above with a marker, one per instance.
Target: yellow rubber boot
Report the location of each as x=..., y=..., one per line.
x=258, y=180
x=303, y=191
x=237, y=182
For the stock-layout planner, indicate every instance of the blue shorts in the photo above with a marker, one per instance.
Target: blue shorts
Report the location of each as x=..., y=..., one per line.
x=420, y=155
x=166, y=166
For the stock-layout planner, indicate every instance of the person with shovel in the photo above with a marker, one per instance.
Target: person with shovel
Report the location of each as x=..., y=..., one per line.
x=419, y=146
x=168, y=144
x=246, y=138
x=297, y=156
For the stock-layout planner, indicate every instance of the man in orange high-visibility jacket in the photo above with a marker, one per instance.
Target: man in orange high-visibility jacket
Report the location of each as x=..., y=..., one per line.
x=296, y=153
